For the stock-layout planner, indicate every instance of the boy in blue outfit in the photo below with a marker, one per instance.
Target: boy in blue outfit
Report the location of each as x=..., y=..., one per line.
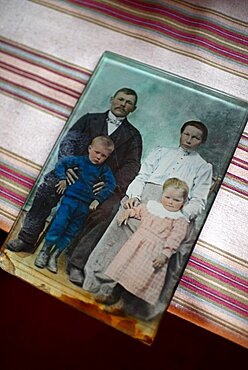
x=78, y=198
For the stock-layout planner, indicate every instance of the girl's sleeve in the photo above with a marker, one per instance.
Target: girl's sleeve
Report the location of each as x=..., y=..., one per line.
x=176, y=236
x=137, y=212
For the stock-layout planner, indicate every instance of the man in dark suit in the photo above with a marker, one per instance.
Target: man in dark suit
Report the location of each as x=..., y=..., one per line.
x=124, y=163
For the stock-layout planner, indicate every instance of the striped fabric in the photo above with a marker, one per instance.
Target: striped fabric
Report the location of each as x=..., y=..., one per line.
x=46, y=83
x=39, y=79
x=219, y=40
x=17, y=176
x=213, y=292
x=46, y=59
x=236, y=179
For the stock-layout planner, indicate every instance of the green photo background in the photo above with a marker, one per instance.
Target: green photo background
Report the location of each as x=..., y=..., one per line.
x=165, y=102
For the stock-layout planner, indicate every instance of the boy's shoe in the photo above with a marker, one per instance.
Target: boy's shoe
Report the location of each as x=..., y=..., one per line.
x=41, y=260
x=52, y=264
x=43, y=256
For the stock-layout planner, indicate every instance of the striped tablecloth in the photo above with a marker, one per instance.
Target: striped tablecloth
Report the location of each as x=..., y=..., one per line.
x=48, y=50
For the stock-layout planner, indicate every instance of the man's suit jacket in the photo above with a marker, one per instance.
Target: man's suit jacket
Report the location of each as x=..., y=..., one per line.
x=125, y=159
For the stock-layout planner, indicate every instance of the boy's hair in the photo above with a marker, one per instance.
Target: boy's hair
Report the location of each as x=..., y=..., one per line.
x=177, y=184
x=127, y=91
x=104, y=141
x=198, y=125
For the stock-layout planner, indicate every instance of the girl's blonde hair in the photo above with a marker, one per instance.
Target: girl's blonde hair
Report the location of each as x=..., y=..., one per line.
x=177, y=184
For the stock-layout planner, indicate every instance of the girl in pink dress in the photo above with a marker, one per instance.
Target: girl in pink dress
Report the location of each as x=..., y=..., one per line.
x=141, y=264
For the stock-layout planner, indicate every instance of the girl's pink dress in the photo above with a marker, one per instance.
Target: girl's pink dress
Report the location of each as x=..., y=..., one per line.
x=132, y=266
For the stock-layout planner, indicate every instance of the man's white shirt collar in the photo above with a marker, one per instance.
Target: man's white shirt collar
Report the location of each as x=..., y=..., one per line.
x=113, y=122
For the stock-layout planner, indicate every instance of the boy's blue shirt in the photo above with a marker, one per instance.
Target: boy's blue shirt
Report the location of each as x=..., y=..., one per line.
x=89, y=174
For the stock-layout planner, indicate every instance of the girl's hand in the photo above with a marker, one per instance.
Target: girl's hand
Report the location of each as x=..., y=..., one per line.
x=124, y=216
x=131, y=202
x=159, y=261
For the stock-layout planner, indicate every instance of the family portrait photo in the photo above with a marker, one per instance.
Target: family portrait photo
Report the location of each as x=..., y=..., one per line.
x=120, y=202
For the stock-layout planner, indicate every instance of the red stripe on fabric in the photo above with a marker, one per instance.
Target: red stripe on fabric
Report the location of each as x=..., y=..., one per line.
x=10, y=195
x=46, y=97
x=214, y=295
x=241, y=179
x=237, y=190
x=176, y=34
x=243, y=147
x=243, y=165
x=11, y=199
x=16, y=177
x=42, y=66
x=61, y=114
x=220, y=274
x=240, y=160
x=190, y=20
x=42, y=56
x=39, y=79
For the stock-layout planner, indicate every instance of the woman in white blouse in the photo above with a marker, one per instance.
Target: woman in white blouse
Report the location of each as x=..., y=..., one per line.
x=182, y=162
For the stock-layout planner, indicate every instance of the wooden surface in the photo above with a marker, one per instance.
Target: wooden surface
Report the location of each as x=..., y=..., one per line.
x=40, y=332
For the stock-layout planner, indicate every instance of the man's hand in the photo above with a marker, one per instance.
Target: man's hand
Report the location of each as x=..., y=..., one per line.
x=98, y=187
x=61, y=186
x=93, y=205
x=159, y=261
x=132, y=202
x=71, y=175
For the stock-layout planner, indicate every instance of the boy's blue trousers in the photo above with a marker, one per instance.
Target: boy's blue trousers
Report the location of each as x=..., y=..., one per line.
x=69, y=219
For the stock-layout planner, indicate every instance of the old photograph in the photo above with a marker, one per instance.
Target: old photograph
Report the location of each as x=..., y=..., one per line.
x=121, y=200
